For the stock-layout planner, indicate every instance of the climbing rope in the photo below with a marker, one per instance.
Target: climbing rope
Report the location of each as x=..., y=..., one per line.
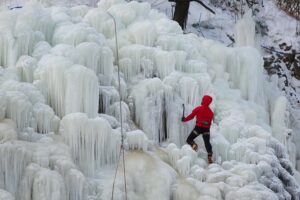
x=122, y=150
x=113, y=187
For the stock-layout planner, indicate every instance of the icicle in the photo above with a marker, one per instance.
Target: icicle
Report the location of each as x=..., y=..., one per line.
x=180, y=57
x=26, y=65
x=136, y=58
x=68, y=88
x=40, y=49
x=92, y=141
x=123, y=12
x=108, y=96
x=47, y=121
x=164, y=62
x=245, y=31
x=3, y=101
x=184, y=165
x=137, y=140
x=143, y=33
x=278, y=119
x=7, y=52
x=114, y=110
x=99, y=59
x=48, y=185
x=68, y=51
x=14, y=157
x=245, y=66
x=102, y=22
x=81, y=91
x=19, y=109
x=7, y=131
x=148, y=97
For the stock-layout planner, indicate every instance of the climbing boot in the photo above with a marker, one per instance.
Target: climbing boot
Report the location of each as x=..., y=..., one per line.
x=195, y=147
x=209, y=159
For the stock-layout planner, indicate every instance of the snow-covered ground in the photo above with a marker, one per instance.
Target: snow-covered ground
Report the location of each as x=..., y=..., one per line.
x=59, y=69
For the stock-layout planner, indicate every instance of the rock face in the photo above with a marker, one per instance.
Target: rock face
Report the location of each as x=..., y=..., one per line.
x=286, y=57
x=297, y=67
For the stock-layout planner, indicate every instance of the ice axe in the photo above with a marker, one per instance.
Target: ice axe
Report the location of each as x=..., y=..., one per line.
x=183, y=111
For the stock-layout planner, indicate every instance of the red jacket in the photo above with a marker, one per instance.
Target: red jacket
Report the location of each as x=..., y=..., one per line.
x=203, y=113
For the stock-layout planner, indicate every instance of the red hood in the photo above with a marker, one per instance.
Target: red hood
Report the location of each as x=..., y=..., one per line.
x=206, y=100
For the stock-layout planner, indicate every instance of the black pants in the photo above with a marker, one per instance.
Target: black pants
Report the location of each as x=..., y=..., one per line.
x=205, y=134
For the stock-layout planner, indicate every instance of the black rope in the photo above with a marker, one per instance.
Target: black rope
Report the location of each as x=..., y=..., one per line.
x=121, y=120
x=124, y=172
x=113, y=187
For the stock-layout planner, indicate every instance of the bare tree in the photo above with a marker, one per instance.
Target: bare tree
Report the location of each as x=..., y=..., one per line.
x=181, y=13
x=182, y=10
x=292, y=7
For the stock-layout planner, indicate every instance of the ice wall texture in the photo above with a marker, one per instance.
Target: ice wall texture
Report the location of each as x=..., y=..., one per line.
x=59, y=70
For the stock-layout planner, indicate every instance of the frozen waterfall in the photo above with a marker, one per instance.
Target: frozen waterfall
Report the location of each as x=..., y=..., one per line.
x=60, y=129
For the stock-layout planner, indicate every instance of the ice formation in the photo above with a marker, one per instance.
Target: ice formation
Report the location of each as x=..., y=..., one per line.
x=93, y=142
x=245, y=30
x=60, y=128
x=137, y=140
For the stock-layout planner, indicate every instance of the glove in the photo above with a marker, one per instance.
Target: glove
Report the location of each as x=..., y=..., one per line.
x=182, y=119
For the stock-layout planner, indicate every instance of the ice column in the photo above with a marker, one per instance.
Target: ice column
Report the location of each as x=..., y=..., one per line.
x=142, y=33
x=19, y=109
x=7, y=54
x=26, y=66
x=135, y=59
x=20, y=31
x=99, y=59
x=7, y=131
x=2, y=105
x=164, y=62
x=148, y=100
x=245, y=66
x=245, y=31
x=278, y=121
x=46, y=120
x=102, y=22
x=93, y=143
x=67, y=87
x=82, y=91
x=279, y=116
x=48, y=185
x=14, y=157
x=114, y=110
x=108, y=96
x=25, y=104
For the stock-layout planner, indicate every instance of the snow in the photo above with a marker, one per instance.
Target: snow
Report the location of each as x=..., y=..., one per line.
x=62, y=71
x=6, y=195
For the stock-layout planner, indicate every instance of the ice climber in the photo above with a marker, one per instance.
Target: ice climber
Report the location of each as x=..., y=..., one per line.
x=204, y=117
